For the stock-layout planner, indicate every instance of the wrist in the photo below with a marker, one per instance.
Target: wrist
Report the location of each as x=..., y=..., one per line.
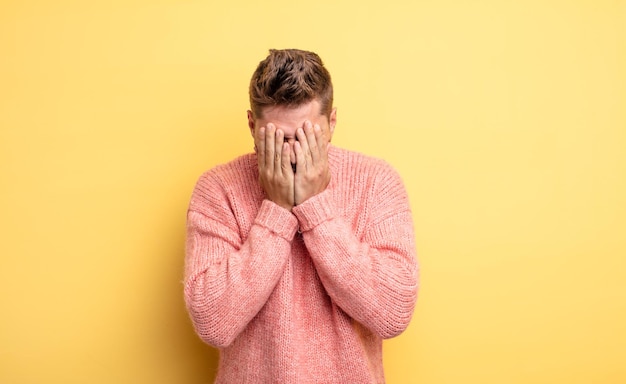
x=288, y=205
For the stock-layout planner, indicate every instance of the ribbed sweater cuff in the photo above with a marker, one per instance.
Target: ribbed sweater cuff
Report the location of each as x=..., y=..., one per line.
x=277, y=219
x=315, y=211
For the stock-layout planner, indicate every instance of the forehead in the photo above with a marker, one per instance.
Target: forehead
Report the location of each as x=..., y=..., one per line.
x=293, y=117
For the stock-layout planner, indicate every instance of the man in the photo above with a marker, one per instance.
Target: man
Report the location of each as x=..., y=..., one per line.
x=300, y=257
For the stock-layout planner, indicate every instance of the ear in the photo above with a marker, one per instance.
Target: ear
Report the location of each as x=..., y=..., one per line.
x=332, y=121
x=251, y=123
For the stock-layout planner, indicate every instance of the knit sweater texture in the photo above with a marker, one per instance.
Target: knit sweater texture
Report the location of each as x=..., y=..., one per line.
x=305, y=296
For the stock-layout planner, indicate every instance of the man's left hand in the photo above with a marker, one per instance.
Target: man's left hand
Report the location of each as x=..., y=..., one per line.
x=312, y=173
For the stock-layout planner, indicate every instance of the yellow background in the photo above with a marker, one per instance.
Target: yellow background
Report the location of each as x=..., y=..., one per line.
x=507, y=121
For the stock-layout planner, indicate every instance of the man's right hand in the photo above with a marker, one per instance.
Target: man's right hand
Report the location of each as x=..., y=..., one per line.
x=275, y=172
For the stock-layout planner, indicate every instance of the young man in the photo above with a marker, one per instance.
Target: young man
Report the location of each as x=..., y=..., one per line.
x=300, y=257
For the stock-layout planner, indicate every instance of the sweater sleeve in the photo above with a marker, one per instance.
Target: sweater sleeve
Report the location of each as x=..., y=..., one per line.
x=228, y=279
x=374, y=278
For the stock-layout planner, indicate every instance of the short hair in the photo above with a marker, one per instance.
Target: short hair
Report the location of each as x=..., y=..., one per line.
x=290, y=77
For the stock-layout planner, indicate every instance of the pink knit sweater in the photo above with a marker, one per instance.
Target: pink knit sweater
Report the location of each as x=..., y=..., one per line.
x=304, y=296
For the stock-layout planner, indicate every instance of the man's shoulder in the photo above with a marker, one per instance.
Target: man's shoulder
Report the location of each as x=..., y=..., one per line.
x=242, y=163
x=354, y=161
x=237, y=170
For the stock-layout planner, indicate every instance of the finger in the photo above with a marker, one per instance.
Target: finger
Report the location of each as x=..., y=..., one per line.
x=311, y=135
x=300, y=159
x=278, y=145
x=285, y=160
x=321, y=141
x=292, y=155
x=270, y=133
x=259, y=141
x=304, y=142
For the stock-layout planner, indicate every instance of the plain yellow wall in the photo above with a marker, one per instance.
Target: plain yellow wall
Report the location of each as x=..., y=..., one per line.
x=507, y=121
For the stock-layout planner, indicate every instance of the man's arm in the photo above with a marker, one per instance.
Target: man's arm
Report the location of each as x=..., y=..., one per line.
x=229, y=279
x=373, y=279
